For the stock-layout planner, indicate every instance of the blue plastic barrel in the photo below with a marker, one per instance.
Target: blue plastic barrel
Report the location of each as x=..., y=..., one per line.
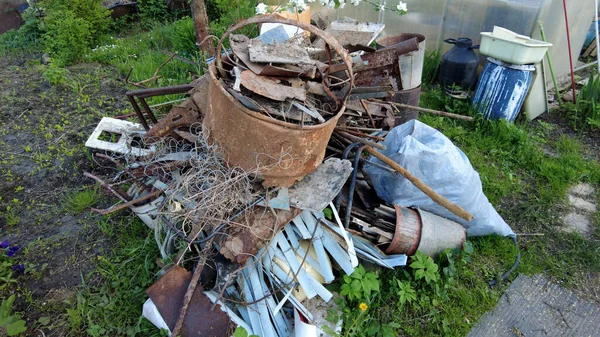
x=591, y=35
x=502, y=89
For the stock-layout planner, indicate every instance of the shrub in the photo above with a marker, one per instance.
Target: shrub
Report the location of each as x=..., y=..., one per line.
x=68, y=38
x=184, y=37
x=71, y=27
x=152, y=10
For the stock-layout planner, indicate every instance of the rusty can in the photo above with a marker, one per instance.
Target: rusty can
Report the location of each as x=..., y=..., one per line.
x=279, y=152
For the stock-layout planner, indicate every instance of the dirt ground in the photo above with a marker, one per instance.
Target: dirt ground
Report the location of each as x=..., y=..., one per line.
x=43, y=129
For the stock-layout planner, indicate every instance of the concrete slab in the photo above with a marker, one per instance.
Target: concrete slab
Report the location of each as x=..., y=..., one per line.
x=582, y=204
x=582, y=189
x=533, y=306
x=575, y=222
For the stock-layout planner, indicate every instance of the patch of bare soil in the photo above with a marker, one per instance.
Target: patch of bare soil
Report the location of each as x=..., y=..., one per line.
x=43, y=129
x=590, y=138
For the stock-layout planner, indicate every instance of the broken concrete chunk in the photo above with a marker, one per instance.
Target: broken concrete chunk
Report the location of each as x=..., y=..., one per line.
x=270, y=88
x=317, y=189
x=278, y=53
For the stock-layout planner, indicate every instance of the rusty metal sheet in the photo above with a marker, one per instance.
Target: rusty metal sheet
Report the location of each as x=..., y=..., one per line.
x=270, y=87
x=184, y=114
x=167, y=294
x=256, y=229
x=239, y=45
x=277, y=53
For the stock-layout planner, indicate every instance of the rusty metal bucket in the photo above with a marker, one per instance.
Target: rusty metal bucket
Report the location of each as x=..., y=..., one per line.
x=279, y=152
x=424, y=231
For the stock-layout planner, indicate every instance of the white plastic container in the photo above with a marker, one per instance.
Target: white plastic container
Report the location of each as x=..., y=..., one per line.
x=508, y=46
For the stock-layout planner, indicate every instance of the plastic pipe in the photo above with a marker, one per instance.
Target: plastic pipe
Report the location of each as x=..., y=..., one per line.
x=570, y=54
x=543, y=34
x=585, y=66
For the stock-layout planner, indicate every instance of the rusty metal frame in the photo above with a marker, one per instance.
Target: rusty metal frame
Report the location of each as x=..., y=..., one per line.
x=142, y=94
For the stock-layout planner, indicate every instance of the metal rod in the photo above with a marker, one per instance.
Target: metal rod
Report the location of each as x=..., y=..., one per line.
x=543, y=34
x=360, y=140
x=127, y=204
x=148, y=110
x=138, y=112
x=585, y=66
x=431, y=111
x=570, y=54
x=352, y=186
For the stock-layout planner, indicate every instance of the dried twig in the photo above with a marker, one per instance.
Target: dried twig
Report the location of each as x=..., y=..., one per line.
x=127, y=204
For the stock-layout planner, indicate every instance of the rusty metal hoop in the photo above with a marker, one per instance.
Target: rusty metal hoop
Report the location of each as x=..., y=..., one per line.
x=272, y=18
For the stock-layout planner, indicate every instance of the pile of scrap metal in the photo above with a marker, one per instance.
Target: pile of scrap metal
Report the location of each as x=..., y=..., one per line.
x=233, y=181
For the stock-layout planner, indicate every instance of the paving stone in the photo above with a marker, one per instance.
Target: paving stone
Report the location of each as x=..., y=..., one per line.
x=575, y=222
x=582, y=189
x=533, y=306
x=582, y=204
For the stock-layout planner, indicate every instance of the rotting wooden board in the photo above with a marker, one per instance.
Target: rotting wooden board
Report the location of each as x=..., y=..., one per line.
x=277, y=53
x=270, y=88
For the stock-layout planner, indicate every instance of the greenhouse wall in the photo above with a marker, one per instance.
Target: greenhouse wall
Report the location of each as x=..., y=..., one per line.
x=442, y=19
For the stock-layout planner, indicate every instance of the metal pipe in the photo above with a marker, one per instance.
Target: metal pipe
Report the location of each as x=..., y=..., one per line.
x=585, y=66
x=550, y=64
x=138, y=112
x=148, y=110
x=570, y=53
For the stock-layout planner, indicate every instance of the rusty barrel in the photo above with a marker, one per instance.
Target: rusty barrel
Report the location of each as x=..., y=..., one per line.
x=280, y=152
x=424, y=231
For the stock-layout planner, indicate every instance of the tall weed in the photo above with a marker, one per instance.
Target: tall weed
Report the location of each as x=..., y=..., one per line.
x=587, y=110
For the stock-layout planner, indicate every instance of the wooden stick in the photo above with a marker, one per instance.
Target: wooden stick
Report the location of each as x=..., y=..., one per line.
x=361, y=140
x=439, y=199
x=364, y=105
x=127, y=204
x=431, y=111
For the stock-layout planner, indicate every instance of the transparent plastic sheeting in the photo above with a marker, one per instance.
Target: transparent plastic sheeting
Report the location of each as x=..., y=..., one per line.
x=442, y=19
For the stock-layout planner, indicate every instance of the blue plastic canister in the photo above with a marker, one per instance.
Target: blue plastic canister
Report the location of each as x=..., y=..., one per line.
x=502, y=89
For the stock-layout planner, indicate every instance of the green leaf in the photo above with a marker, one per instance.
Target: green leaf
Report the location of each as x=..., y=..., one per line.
x=240, y=332
x=16, y=328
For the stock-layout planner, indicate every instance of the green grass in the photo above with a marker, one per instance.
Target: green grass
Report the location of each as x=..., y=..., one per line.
x=76, y=202
x=525, y=174
x=113, y=306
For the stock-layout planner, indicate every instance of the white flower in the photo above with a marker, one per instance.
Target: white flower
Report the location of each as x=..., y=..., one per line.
x=311, y=1
x=402, y=7
x=382, y=7
x=299, y=5
x=331, y=4
x=355, y=2
x=342, y=4
x=324, y=2
x=261, y=8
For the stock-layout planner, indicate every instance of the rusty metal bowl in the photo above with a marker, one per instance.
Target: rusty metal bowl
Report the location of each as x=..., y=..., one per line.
x=279, y=152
